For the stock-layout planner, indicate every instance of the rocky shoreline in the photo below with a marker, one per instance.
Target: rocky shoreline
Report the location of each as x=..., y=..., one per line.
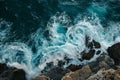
x=105, y=67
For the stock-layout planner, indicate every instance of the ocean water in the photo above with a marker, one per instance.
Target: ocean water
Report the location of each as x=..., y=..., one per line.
x=36, y=32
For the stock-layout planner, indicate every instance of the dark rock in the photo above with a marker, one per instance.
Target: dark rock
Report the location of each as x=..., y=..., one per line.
x=56, y=73
x=18, y=74
x=96, y=44
x=73, y=67
x=50, y=65
x=98, y=52
x=88, y=43
x=91, y=44
x=67, y=60
x=61, y=63
x=3, y=67
x=103, y=61
x=114, y=52
x=88, y=55
x=11, y=73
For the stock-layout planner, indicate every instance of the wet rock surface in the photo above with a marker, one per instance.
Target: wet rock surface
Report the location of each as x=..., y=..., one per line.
x=92, y=47
x=89, y=55
x=11, y=73
x=56, y=73
x=114, y=52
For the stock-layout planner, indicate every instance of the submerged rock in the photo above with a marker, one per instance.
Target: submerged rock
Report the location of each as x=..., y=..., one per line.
x=114, y=52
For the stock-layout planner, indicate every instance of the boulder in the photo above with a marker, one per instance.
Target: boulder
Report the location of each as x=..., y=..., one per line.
x=11, y=73
x=87, y=56
x=114, y=52
x=103, y=61
x=3, y=67
x=110, y=74
x=56, y=73
x=103, y=75
x=81, y=74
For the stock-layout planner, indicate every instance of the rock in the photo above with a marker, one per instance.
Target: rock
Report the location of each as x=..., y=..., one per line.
x=18, y=74
x=91, y=43
x=117, y=74
x=87, y=56
x=42, y=77
x=100, y=69
x=61, y=63
x=56, y=73
x=96, y=44
x=103, y=61
x=103, y=75
x=73, y=67
x=81, y=74
x=114, y=52
x=67, y=59
x=11, y=73
x=3, y=67
x=98, y=52
x=110, y=74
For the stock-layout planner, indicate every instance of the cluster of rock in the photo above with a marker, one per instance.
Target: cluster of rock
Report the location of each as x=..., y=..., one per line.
x=105, y=67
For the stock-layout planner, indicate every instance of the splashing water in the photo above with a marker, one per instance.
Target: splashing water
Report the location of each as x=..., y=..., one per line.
x=61, y=38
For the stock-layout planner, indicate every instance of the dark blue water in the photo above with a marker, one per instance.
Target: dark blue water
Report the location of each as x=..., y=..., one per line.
x=36, y=32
